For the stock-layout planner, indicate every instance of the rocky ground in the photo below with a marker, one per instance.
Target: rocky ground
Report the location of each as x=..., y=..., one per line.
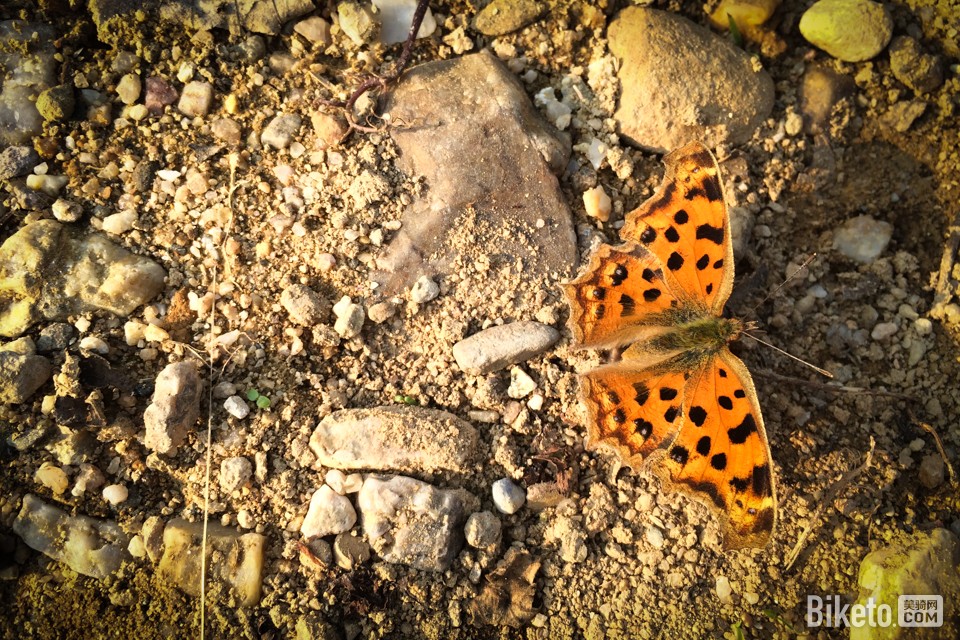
x=339, y=334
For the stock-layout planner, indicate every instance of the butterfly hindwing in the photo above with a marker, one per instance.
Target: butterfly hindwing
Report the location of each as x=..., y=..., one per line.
x=721, y=456
x=685, y=224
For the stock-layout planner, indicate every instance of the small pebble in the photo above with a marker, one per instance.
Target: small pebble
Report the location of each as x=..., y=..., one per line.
x=862, y=238
x=136, y=547
x=350, y=318
x=236, y=407
x=115, y=494
x=724, y=590
x=849, y=30
x=52, y=477
x=329, y=514
x=931, y=471
x=521, y=384
x=654, y=536
x=235, y=473
x=122, y=222
x=159, y=95
x=507, y=496
x=597, y=203
x=95, y=344
x=196, y=99
x=280, y=131
x=350, y=551
x=424, y=290
x=482, y=530
x=129, y=87
x=66, y=211
x=883, y=330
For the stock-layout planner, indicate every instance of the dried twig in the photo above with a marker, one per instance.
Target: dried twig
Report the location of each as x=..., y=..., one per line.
x=936, y=438
x=381, y=82
x=828, y=499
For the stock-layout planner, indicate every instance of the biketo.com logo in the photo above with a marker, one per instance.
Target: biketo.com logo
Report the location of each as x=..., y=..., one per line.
x=912, y=611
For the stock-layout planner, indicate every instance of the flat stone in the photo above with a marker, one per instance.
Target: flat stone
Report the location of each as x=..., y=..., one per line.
x=235, y=473
x=280, y=131
x=315, y=29
x=659, y=108
x=174, y=408
x=849, y=30
x=394, y=438
x=411, y=522
x=329, y=514
x=49, y=271
x=862, y=238
x=238, y=569
x=305, y=306
x=160, y=94
x=21, y=375
x=91, y=547
x=17, y=161
x=196, y=99
x=350, y=551
x=501, y=17
x=502, y=345
x=487, y=155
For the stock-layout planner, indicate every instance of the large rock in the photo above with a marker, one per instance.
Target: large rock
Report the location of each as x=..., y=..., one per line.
x=849, y=30
x=49, y=271
x=94, y=548
x=490, y=163
x=927, y=565
x=237, y=572
x=394, y=438
x=664, y=102
x=411, y=522
x=501, y=345
x=21, y=375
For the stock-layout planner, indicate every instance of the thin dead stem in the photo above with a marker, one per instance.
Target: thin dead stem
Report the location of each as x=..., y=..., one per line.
x=943, y=454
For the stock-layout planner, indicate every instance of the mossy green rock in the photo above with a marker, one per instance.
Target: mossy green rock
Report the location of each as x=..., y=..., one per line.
x=56, y=103
x=849, y=30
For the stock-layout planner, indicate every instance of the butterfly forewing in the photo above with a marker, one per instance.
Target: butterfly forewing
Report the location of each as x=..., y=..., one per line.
x=685, y=224
x=721, y=456
x=618, y=297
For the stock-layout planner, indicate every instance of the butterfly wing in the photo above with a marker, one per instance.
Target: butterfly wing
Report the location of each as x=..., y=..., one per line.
x=618, y=297
x=685, y=224
x=633, y=410
x=721, y=456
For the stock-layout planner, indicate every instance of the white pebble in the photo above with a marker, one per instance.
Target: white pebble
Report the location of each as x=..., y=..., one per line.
x=597, y=203
x=66, y=211
x=95, y=344
x=115, y=493
x=724, y=590
x=120, y=222
x=521, y=384
x=136, y=547
x=883, y=331
x=424, y=290
x=52, y=477
x=154, y=333
x=654, y=536
x=507, y=496
x=236, y=407
x=129, y=87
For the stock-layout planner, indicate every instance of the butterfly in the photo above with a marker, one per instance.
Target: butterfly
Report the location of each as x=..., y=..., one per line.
x=678, y=399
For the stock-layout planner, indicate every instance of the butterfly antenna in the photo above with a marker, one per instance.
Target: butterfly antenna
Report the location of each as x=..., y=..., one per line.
x=793, y=275
x=823, y=372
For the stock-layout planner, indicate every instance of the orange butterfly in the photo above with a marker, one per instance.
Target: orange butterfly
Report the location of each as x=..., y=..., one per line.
x=678, y=391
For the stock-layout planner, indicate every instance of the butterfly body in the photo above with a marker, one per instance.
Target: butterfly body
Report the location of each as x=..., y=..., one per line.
x=678, y=398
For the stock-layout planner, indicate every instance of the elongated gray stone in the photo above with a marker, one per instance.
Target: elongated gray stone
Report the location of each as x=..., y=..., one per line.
x=394, y=438
x=91, y=547
x=499, y=346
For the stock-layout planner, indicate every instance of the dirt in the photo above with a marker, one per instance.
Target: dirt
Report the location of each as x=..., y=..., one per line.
x=626, y=586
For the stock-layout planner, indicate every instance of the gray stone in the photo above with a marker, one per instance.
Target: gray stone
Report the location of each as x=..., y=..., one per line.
x=350, y=317
x=862, y=238
x=502, y=345
x=357, y=22
x=174, y=408
x=21, y=375
x=238, y=569
x=235, y=473
x=305, y=306
x=55, y=337
x=350, y=551
x=227, y=130
x=17, y=161
x=901, y=116
x=920, y=71
x=395, y=438
x=411, y=522
x=849, y=30
x=487, y=155
x=507, y=496
x=328, y=514
x=196, y=99
x=660, y=109
x=49, y=271
x=501, y=17
x=28, y=50
x=280, y=131
x=424, y=290
x=482, y=530
x=925, y=564
x=91, y=547
x=315, y=29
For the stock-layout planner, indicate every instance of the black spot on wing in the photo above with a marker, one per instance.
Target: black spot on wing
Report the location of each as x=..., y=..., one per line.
x=739, y=484
x=679, y=455
x=643, y=427
x=671, y=234
x=719, y=461
x=740, y=433
x=613, y=397
x=725, y=402
x=627, y=305
x=599, y=312
x=675, y=261
x=667, y=394
x=711, y=233
x=642, y=393
x=619, y=275
x=739, y=393
x=718, y=264
x=651, y=294
x=671, y=414
x=698, y=415
x=761, y=481
x=703, y=445
x=619, y=416
x=709, y=288
x=712, y=188
x=598, y=293
x=681, y=217
x=649, y=235
x=703, y=262
x=722, y=373
x=648, y=275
